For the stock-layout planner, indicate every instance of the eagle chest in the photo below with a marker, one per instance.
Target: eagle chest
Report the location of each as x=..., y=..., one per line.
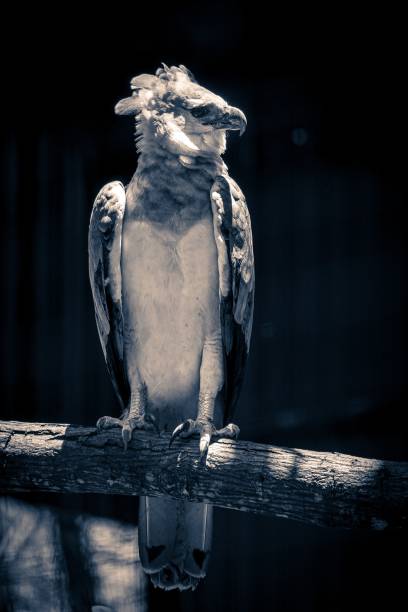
x=170, y=291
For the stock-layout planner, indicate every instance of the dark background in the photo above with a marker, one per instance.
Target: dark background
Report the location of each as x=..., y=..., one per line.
x=323, y=167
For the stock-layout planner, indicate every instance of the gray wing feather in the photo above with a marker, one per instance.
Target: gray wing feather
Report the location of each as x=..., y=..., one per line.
x=233, y=235
x=104, y=245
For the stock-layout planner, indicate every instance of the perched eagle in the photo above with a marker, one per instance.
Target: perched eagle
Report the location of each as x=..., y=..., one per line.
x=172, y=273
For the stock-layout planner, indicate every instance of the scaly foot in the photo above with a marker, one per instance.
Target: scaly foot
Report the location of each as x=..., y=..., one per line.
x=128, y=424
x=206, y=430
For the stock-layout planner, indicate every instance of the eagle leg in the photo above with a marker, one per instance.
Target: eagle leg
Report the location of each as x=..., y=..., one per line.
x=211, y=382
x=134, y=417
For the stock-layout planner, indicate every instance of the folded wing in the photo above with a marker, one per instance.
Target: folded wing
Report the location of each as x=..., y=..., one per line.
x=233, y=235
x=104, y=245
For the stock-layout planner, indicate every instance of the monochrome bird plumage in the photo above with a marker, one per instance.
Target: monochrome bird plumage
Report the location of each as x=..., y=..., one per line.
x=172, y=274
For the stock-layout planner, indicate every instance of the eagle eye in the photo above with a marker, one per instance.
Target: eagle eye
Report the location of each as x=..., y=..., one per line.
x=201, y=111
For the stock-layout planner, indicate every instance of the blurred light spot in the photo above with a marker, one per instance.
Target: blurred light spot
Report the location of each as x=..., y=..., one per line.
x=299, y=136
x=378, y=524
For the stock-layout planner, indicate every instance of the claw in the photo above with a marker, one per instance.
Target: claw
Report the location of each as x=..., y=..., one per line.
x=183, y=427
x=107, y=422
x=231, y=431
x=128, y=425
x=205, y=439
x=126, y=436
x=207, y=432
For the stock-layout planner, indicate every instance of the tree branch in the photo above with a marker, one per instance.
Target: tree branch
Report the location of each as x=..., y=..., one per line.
x=328, y=489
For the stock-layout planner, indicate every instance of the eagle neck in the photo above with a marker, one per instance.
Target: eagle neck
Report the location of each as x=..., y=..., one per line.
x=167, y=162
x=164, y=186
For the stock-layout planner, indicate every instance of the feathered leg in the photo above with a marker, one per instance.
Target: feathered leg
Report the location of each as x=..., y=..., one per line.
x=211, y=382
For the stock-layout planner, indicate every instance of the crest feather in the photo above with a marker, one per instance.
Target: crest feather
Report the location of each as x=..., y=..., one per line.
x=171, y=74
x=188, y=73
x=144, y=81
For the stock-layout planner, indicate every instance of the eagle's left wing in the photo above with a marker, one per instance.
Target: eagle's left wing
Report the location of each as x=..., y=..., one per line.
x=105, y=245
x=236, y=270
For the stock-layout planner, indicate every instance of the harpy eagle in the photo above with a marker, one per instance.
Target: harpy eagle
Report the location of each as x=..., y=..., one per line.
x=172, y=274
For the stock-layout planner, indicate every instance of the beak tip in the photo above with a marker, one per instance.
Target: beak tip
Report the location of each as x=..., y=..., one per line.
x=243, y=124
x=239, y=120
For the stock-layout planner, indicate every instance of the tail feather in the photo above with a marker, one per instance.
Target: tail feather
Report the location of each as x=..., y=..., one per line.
x=174, y=541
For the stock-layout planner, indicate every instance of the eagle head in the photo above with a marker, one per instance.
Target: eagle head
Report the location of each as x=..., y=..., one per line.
x=174, y=111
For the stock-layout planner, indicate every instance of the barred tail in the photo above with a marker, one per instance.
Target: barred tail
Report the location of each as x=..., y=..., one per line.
x=174, y=541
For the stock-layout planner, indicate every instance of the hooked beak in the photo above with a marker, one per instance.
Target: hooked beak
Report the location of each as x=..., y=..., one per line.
x=232, y=119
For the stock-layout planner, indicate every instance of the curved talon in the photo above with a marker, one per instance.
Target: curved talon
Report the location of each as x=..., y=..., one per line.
x=128, y=425
x=126, y=436
x=207, y=432
x=205, y=439
x=107, y=422
x=231, y=431
x=182, y=428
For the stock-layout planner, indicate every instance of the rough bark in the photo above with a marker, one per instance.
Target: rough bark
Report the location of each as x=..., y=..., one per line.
x=328, y=489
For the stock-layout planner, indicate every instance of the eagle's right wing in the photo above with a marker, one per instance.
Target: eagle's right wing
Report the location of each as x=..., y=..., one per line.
x=105, y=246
